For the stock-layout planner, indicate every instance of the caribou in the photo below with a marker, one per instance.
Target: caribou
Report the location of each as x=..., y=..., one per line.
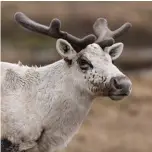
x=44, y=107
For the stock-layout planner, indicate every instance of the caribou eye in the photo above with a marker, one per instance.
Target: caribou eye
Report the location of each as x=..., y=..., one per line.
x=84, y=64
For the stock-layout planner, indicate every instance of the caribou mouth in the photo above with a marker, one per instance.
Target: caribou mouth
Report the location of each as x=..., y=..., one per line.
x=118, y=96
x=115, y=95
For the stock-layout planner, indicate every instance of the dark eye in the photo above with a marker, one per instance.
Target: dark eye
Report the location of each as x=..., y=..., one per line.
x=84, y=65
x=83, y=62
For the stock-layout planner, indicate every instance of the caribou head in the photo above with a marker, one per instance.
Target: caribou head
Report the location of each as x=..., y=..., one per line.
x=90, y=59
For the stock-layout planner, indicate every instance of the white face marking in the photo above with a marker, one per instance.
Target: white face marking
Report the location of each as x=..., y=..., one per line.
x=92, y=69
x=96, y=76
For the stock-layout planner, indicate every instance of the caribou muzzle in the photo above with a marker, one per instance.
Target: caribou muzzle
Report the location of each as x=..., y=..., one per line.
x=119, y=87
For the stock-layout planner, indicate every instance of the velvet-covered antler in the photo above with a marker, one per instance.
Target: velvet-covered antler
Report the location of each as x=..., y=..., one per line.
x=54, y=31
x=105, y=37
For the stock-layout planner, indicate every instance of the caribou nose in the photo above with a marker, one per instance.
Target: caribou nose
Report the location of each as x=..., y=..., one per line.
x=121, y=84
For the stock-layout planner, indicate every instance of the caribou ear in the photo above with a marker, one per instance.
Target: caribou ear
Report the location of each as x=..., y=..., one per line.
x=115, y=50
x=65, y=49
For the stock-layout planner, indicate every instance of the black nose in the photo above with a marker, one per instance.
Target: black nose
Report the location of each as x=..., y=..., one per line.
x=122, y=84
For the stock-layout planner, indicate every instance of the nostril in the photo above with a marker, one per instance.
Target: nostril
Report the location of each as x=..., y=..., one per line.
x=116, y=84
x=121, y=83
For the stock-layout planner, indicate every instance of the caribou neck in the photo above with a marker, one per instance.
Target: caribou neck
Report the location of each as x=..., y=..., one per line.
x=58, y=80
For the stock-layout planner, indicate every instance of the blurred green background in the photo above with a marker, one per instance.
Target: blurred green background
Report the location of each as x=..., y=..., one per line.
x=124, y=126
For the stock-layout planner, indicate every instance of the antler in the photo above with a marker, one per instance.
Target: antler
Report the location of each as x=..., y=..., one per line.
x=54, y=31
x=105, y=37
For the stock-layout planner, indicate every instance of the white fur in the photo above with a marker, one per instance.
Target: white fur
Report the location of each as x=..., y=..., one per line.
x=42, y=108
x=115, y=50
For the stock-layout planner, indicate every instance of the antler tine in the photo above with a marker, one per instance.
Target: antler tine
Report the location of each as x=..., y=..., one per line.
x=120, y=31
x=54, y=31
x=105, y=37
